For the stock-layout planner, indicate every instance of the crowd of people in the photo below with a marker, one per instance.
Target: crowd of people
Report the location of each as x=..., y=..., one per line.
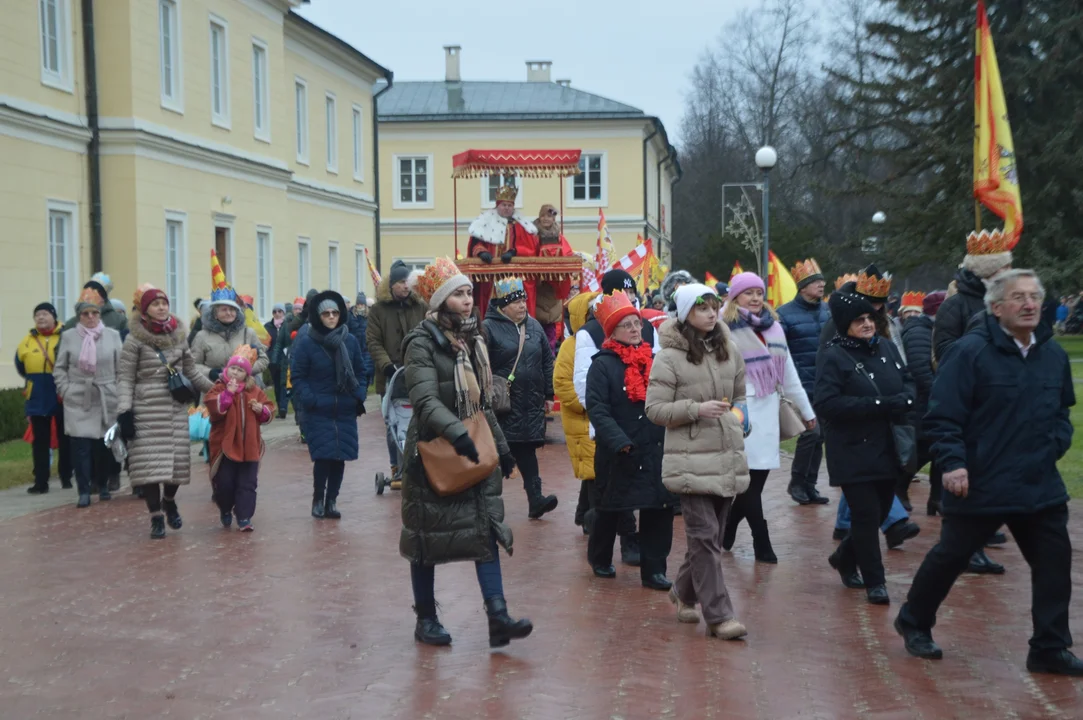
x=672, y=404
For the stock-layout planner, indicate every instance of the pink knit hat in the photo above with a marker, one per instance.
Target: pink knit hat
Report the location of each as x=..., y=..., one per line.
x=745, y=281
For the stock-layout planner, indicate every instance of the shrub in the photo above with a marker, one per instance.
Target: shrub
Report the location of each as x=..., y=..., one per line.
x=12, y=414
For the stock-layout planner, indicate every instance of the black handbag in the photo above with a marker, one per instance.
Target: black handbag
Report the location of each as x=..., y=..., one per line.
x=180, y=387
x=904, y=436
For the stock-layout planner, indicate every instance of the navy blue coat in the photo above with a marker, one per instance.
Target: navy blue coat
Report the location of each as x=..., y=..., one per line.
x=1004, y=418
x=330, y=417
x=803, y=321
x=358, y=328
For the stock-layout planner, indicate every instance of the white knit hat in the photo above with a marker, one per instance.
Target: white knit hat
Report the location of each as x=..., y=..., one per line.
x=687, y=295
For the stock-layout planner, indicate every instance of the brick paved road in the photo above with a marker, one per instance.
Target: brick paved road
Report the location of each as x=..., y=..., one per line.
x=306, y=619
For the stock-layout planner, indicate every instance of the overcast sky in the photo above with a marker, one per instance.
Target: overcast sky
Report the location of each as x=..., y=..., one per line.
x=636, y=52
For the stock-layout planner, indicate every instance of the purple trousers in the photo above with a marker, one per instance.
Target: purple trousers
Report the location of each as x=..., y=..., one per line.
x=235, y=488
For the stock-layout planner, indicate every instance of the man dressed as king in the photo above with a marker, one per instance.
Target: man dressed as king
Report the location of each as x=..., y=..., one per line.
x=505, y=233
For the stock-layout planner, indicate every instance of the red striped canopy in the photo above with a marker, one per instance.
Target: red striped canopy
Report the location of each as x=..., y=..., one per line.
x=524, y=163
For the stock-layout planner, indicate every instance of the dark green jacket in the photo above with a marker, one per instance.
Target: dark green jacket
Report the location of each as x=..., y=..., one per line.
x=390, y=320
x=439, y=529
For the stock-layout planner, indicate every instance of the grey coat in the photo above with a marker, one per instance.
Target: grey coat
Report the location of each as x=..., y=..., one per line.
x=90, y=401
x=215, y=343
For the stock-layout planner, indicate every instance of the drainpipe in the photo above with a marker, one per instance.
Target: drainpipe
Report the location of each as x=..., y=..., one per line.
x=646, y=142
x=93, y=153
x=672, y=203
x=670, y=155
x=376, y=160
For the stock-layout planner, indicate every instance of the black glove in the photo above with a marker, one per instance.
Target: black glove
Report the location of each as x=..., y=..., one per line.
x=360, y=408
x=465, y=447
x=900, y=404
x=506, y=257
x=507, y=465
x=214, y=374
x=126, y=420
x=389, y=371
x=485, y=257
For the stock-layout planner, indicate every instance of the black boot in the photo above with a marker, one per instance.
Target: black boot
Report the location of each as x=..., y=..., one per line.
x=980, y=564
x=729, y=535
x=428, y=629
x=583, y=504
x=65, y=484
x=317, y=508
x=629, y=550
x=919, y=643
x=539, y=504
x=37, y=489
x=761, y=543
x=330, y=510
x=157, y=527
x=172, y=514
x=1057, y=662
x=799, y=492
x=502, y=629
x=814, y=495
x=114, y=482
x=851, y=578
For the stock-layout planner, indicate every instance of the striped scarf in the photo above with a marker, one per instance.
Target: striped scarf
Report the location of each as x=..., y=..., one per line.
x=473, y=375
x=765, y=360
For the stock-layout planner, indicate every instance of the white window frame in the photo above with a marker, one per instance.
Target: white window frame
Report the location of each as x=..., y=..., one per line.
x=221, y=118
x=265, y=276
x=173, y=101
x=414, y=263
x=334, y=265
x=304, y=266
x=300, y=118
x=357, y=128
x=330, y=107
x=61, y=77
x=178, y=297
x=261, y=91
x=72, y=274
x=486, y=203
x=396, y=201
x=360, y=268
x=570, y=200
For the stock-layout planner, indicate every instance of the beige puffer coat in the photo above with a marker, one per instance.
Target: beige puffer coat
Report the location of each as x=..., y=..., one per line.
x=90, y=401
x=213, y=346
x=702, y=457
x=160, y=452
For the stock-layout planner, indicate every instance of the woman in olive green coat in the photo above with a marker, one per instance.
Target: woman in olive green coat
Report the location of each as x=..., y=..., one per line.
x=448, y=373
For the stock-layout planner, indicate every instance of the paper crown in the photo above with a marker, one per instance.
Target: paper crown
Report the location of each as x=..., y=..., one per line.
x=435, y=275
x=247, y=352
x=872, y=286
x=90, y=295
x=843, y=279
x=507, y=193
x=987, y=243
x=104, y=280
x=912, y=300
x=137, y=296
x=506, y=287
x=805, y=269
x=611, y=309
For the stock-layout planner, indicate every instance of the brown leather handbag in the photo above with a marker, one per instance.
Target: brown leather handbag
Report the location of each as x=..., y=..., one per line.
x=450, y=473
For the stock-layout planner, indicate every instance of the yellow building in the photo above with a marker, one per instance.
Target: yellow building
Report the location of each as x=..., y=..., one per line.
x=228, y=124
x=629, y=167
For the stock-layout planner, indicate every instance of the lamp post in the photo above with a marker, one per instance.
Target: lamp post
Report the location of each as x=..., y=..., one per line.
x=879, y=218
x=766, y=157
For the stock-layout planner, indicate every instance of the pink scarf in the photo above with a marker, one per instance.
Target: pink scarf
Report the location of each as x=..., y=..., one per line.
x=88, y=355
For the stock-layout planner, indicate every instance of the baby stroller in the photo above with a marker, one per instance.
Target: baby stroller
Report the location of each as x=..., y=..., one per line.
x=397, y=411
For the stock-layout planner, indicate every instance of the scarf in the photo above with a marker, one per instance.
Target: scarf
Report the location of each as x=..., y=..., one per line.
x=637, y=361
x=160, y=327
x=334, y=342
x=88, y=355
x=473, y=375
x=278, y=321
x=765, y=360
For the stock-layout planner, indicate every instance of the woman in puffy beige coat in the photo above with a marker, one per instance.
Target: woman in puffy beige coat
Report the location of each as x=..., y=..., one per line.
x=224, y=330
x=697, y=391
x=152, y=423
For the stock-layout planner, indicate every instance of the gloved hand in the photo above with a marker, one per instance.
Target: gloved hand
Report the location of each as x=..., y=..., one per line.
x=465, y=447
x=126, y=420
x=900, y=404
x=214, y=374
x=506, y=257
x=389, y=371
x=485, y=257
x=507, y=465
x=360, y=408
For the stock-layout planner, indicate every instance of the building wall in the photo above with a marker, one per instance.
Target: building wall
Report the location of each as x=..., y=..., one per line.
x=21, y=58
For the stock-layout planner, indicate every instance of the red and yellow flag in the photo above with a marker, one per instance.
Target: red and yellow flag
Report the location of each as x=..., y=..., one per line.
x=780, y=285
x=709, y=279
x=373, y=272
x=737, y=269
x=996, y=174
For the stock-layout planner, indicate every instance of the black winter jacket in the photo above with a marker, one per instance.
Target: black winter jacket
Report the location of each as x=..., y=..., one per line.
x=857, y=418
x=269, y=326
x=803, y=321
x=623, y=481
x=1004, y=418
x=533, y=384
x=955, y=312
x=917, y=338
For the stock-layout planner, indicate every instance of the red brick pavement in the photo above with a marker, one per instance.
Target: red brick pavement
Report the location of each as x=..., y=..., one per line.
x=308, y=619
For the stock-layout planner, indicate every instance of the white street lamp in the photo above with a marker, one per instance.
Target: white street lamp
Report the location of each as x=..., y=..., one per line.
x=879, y=218
x=766, y=157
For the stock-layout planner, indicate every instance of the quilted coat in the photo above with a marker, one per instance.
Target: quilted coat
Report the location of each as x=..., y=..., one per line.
x=359, y=329
x=390, y=320
x=438, y=529
x=803, y=321
x=533, y=384
x=702, y=457
x=917, y=337
x=160, y=452
x=330, y=417
x=572, y=414
x=214, y=345
x=90, y=401
x=953, y=317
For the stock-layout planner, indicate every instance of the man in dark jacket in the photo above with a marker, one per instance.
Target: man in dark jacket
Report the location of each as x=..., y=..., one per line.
x=917, y=337
x=359, y=322
x=803, y=319
x=999, y=421
x=278, y=378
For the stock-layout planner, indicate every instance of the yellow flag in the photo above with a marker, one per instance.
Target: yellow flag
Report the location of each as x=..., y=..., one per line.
x=996, y=175
x=780, y=285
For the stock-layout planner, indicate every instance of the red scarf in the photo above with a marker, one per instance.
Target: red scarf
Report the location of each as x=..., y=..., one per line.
x=637, y=361
x=160, y=327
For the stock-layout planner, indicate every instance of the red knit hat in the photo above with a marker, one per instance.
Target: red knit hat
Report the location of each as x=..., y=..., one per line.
x=149, y=296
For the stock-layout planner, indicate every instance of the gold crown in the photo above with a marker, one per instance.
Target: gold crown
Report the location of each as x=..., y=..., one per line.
x=987, y=243
x=872, y=286
x=137, y=296
x=507, y=193
x=805, y=269
x=913, y=299
x=90, y=295
x=435, y=275
x=246, y=352
x=843, y=279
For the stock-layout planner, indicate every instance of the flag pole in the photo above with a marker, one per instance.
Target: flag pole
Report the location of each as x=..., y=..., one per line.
x=977, y=215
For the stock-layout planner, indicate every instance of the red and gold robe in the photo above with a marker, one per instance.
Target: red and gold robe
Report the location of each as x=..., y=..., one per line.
x=495, y=235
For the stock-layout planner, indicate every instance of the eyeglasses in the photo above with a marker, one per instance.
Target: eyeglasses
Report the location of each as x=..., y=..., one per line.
x=551, y=212
x=332, y=313
x=631, y=324
x=865, y=319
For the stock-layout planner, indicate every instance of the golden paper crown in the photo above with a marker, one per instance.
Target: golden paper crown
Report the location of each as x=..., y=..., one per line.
x=611, y=309
x=90, y=295
x=987, y=243
x=805, y=269
x=246, y=352
x=435, y=275
x=137, y=296
x=507, y=193
x=913, y=300
x=843, y=279
x=872, y=286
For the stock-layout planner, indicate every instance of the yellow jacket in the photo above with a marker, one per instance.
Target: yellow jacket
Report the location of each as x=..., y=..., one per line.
x=572, y=414
x=34, y=361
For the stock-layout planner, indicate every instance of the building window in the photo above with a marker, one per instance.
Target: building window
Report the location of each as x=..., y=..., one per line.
x=413, y=181
x=264, y=273
x=358, y=145
x=332, y=134
x=63, y=249
x=176, y=272
x=332, y=265
x=56, y=45
x=492, y=183
x=260, y=92
x=589, y=186
x=300, y=96
x=169, y=51
x=219, y=73
x=304, y=265
x=359, y=268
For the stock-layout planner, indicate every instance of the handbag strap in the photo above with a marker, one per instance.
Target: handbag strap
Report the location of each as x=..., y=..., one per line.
x=168, y=367
x=861, y=369
x=522, y=340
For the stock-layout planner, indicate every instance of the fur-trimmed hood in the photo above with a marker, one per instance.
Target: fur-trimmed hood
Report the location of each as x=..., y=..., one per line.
x=214, y=325
x=314, y=313
x=383, y=293
x=161, y=342
x=493, y=229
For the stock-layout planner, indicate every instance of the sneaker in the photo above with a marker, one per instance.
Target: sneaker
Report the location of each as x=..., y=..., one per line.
x=245, y=525
x=729, y=630
x=685, y=613
x=227, y=519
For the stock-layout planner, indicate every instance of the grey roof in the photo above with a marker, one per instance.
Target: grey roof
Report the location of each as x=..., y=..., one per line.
x=420, y=101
